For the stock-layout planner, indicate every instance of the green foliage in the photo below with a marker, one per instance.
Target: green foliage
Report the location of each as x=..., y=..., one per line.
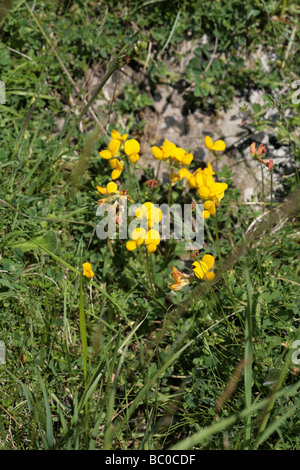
x=124, y=349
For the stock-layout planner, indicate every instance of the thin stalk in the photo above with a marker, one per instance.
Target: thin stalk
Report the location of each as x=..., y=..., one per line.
x=271, y=201
x=248, y=364
x=217, y=237
x=283, y=7
x=83, y=336
x=271, y=204
x=152, y=271
x=262, y=187
x=170, y=188
x=148, y=272
x=129, y=176
x=158, y=168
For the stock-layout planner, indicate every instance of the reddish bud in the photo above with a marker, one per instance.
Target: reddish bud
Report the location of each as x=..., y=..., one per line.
x=151, y=183
x=261, y=160
x=270, y=164
x=253, y=148
x=261, y=150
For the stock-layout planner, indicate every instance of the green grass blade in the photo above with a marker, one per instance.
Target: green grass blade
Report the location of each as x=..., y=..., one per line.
x=209, y=431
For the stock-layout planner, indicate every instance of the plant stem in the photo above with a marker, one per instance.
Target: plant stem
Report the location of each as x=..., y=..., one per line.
x=271, y=200
x=283, y=7
x=152, y=271
x=170, y=188
x=148, y=271
x=129, y=177
x=248, y=363
x=158, y=168
x=271, y=205
x=83, y=336
x=217, y=237
x=262, y=187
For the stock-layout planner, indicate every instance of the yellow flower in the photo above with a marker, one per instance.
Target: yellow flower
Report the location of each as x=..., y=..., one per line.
x=208, y=170
x=180, y=279
x=203, y=268
x=139, y=235
x=182, y=173
x=149, y=212
x=182, y=156
x=218, y=145
x=87, y=270
x=209, y=209
x=131, y=245
x=110, y=188
x=132, y=148
x=117, y=168
x=152, y=240
x=113, y=148
x=154, y=216
x=187, y=158
x=163, y=152
x=209, y=189
x=117, y=136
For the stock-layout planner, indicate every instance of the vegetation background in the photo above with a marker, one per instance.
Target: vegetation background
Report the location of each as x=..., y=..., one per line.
x=107, y=363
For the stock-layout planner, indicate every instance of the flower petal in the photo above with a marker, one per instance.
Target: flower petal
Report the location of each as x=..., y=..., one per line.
x=101, y=190
x=115, y=174
x=114, y=146
x=139, y=232
x=87, y=266
x=178, y=153
x=187, y=159
x=134, y=157
x=219, y=145
x=208, y=142
x=217, y=188
x=168, y=148
x=209, y=260
x=203, y=192
x=157, y=153
x=209, y=276
x=153, y=237
x=115, y=135
x=131, y=146
x=200, y=269
x=106, y=154
x=151, y=248
x=111, y=187
x=131, y=245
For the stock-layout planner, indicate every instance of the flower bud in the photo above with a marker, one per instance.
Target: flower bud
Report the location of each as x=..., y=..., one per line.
x=261, y=150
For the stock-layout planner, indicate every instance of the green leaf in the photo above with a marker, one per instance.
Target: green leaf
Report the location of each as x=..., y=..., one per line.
x=48, y=241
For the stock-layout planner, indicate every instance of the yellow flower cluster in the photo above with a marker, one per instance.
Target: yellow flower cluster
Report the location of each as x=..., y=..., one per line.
x=208, y=190
x=120, y=147
x=175, y=155
x=149, y=215
x=203, y=268
x=87, y=270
